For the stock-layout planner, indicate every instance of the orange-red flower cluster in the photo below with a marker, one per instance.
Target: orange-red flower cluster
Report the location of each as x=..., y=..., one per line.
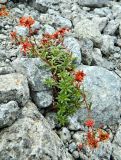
x=103, y=135
x=26, y=46
x=79, y=76
x=26, y=21
x=57, y=36
x=61, y=32
x=93, y=139
x=3, y=11
x=90, y=123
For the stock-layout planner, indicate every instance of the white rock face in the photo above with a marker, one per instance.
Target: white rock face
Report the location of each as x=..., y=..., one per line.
x=31, y=138
x=88, y=29
x=14, y=87
x=103, y=90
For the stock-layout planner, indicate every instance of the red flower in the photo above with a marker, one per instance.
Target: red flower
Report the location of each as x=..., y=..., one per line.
x=26, y=21
x=26, y=46
x=62, y=31
x=103, y=135
x=90, y=123
x=13, y=35
x=91, y=140
x=79, y=76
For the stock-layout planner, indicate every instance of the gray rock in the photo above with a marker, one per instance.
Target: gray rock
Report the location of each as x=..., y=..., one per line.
x=84, y=157
x=97, y=57
x=74, y=125
x=52, y=119
x=73, y=46
x=88, y=29
x=87, y=50
x=75, y=154
x=103, y=151
x=104, y=87
x=119, y=42
x=22, y=31
x=116, y=10
x=14, y=87
x=47, y=19
x=2, y=55
x=93, y=3
x=102, y=12
x=2, y=37
x=65, y=135
x=107, y=47
x=79, y=137
x=42, y=99
x=5, y=68
x=120, y=29
x=49, y=29
x=17, y=12
x=72, y=147
x=101, y=22
x=8, y=113
x=31, y=137
x=62, y=22
x=35, y=70
x=111, y=28
x=116, y=154
x=47, y=2
x=35, y=26
x=55, y=20
x=39, y=7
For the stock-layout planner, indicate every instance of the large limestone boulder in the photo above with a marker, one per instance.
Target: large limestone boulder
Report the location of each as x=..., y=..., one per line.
x=88, y=29
x=103, y=90
x=14, y=86
x=31, y=138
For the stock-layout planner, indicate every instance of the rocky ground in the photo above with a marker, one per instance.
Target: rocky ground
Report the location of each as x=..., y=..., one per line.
x=95, y=39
